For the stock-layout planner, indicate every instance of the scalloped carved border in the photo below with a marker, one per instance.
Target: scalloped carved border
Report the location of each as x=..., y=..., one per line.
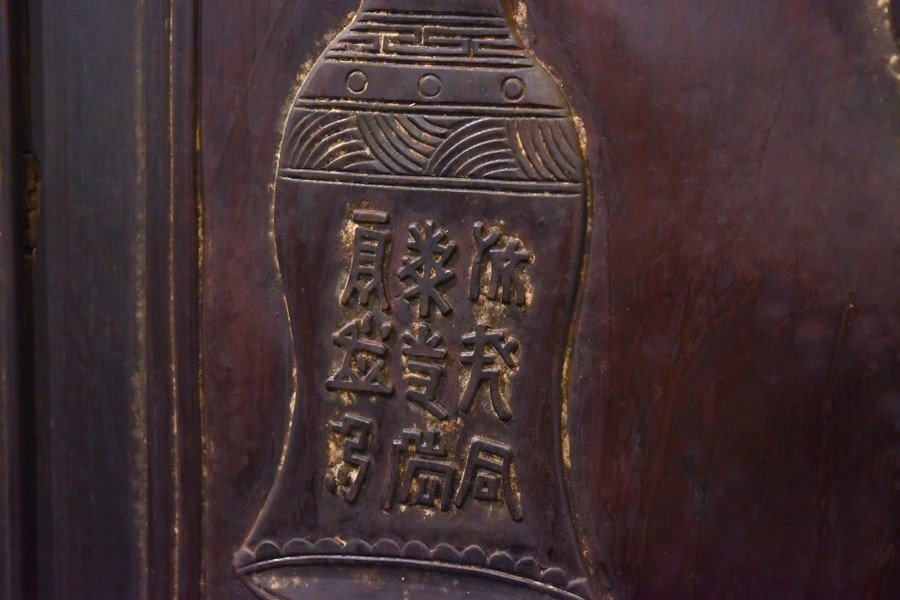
x=473, y=559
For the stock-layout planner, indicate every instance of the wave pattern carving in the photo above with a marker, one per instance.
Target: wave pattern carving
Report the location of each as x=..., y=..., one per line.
x=486, y=148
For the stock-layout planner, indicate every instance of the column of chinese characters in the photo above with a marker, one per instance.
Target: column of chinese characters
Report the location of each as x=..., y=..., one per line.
x=499, y=262
x=362, y=340
x=362, y=344
x=426, y=271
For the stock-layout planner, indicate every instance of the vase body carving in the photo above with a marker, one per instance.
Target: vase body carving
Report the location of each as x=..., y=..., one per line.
x=430, y=218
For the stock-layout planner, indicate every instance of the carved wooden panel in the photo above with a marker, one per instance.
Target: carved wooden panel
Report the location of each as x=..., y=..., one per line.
x=430, y=213
x=695, y=430
x=516, y=298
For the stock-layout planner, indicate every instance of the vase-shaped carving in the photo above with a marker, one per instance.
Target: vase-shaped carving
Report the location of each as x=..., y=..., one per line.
x=430, y=217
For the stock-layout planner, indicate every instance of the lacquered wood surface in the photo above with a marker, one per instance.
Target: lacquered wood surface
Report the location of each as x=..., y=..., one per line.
x=112, y=87
x=11, y=539
x=743, y=439
x=739, y=337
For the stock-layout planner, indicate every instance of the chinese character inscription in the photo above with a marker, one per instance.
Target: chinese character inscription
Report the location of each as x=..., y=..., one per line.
x=430, y=214
x=439, y=341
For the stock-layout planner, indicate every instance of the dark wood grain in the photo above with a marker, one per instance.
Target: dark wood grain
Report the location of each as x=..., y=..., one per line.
x=90, y=267
x=117, y=299
x=172, y=304
x=11, y=396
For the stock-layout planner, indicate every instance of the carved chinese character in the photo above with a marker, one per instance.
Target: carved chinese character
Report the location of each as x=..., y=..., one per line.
x=505, y=263
x=366, y=271
x=426, y=268
x=424, y=478
x=424, y=371
x=488, y=470
x=485, y=344
x=363, y=365
x=351, y=475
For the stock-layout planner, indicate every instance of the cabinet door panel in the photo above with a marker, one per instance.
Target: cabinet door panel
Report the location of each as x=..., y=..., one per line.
x=697, y=203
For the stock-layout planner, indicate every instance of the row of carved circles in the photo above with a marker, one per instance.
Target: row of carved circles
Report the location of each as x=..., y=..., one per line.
x=430, y=86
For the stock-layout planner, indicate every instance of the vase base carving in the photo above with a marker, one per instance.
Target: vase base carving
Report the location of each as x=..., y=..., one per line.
x=352, y=577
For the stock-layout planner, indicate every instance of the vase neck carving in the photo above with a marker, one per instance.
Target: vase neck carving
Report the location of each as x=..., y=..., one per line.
x=472, y=7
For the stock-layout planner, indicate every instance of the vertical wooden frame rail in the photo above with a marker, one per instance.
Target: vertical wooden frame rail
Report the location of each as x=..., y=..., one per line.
x=11, y=396
x=117, y=298
x=173, y=408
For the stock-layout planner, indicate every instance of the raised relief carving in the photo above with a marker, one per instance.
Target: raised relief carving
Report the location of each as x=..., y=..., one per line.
x=488, y=471
x=424, y=369
x=503, y=138
x=505, y=263
x=430, y=212
x=424, y=474
x=348, y=479
x=421, y=468
x=484, y=344
x=425, y=268
x=366, y=277
x=363, y=366
x=400, y=36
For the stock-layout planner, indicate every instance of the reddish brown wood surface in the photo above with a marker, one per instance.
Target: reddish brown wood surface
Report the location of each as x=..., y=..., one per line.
x=743, y=440
x=739, y=336
x=748, y=447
